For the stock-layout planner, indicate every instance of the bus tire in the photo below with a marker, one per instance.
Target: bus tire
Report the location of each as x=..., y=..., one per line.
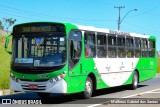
x=134, y=84
x=88, y=88
x=43, y=95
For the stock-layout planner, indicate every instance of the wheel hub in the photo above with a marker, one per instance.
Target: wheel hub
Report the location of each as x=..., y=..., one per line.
x=88, y=87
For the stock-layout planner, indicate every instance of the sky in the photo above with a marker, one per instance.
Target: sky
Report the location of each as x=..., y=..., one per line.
x=98, y=13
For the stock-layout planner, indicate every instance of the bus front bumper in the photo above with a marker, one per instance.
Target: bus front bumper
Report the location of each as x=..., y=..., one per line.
x=45, y=86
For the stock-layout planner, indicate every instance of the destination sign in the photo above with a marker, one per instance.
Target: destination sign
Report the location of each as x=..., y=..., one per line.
x=33, y=28
x=119, y=33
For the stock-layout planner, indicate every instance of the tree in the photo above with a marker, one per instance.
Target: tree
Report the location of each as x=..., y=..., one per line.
x=8, y=22
x=1, y=26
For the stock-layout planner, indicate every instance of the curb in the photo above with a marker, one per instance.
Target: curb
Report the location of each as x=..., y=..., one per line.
x=6, y=92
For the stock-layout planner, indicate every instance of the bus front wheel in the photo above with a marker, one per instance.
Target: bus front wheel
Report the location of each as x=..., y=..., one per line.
x=134, y=84
x=88, y=88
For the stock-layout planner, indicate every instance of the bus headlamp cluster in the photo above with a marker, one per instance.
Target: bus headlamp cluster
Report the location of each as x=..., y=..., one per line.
x=57, y=79
x=14, y=78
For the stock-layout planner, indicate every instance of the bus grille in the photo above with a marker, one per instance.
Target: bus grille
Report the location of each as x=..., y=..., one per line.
x=26, y=87
x=34, y=80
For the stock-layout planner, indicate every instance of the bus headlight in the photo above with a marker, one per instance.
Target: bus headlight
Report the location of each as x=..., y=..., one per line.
x=58, y=78
x=51, y=80
x=14, y=78
x=17, y=79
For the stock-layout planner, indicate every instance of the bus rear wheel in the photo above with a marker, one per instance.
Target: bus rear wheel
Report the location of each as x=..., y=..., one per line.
x=88, y=88
x=134, y=84
x=43, y=95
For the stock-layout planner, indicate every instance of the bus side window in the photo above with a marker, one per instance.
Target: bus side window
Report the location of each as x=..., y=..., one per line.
x=121, y=47
x=101, y=46
x=90, y=47
x=129, y=47
x=137, y=47
x=112, y=46
x=151, y=48
x=144, y=46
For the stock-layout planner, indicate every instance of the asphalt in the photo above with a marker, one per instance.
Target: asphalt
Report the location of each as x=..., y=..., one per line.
x=149, y=89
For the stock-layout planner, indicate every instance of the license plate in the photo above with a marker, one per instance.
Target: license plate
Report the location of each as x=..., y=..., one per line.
x=33, y=86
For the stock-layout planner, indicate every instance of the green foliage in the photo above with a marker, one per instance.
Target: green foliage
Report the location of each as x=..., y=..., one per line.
x=1, y=26
x=4, y=65
x=8, y=22
x=158, y=65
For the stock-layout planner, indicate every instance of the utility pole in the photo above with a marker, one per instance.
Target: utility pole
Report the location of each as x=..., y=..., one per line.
x=119, y=19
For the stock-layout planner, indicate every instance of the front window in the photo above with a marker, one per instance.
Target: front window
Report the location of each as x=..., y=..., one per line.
x=39, y=50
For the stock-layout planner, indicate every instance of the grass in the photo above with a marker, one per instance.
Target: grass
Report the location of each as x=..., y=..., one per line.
x=4, y=65
x=158, y=65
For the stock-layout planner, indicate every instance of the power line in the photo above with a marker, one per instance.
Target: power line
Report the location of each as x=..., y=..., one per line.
x=147, y=11
x=19, y=16
x=50, y=16
x=13, y=13
x=141, y=27
x=142, y=30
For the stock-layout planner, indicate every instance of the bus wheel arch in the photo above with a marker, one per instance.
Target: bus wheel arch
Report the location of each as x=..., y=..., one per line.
x=90, y=86
x=135, y=80
x=136, y=70
x=93, y=77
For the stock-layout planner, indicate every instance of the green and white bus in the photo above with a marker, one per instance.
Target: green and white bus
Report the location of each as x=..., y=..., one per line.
x=49, y=57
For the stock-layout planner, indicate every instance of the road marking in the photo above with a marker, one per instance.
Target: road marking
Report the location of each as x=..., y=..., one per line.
x=154, y=92
x=94, y=105
x=140, y=93
x=157, y=76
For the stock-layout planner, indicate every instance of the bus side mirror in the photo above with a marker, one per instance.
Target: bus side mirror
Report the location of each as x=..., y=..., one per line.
x=6, y=44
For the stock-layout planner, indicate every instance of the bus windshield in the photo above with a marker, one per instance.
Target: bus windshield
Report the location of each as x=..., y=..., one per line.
x=39, y=50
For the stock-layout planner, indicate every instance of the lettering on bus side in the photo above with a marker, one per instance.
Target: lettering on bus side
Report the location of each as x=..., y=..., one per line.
x=119, y=33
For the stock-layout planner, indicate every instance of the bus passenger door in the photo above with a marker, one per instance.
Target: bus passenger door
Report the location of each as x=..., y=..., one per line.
x=75, y=50
x=74, y=59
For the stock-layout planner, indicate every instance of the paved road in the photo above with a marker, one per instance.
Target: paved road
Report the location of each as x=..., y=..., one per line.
x=102, y=98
